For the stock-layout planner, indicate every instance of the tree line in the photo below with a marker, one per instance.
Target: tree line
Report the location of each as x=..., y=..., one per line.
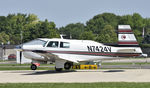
x=101, y=28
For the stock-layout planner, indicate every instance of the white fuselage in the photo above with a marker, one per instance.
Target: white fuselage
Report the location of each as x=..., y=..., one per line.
x=76, y=50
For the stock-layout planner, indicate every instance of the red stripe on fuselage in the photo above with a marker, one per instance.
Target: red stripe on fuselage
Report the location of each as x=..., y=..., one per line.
x=128, y=43
x=97, y=53
x=113, y=54
x=125, y=30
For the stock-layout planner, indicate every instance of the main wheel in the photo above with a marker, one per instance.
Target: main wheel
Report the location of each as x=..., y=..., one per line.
x=67, y=65
x=58, y=69
x=33, y=67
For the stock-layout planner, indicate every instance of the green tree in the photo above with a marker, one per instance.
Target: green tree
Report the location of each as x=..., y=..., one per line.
x=138, y=21
x=138, y=35
x=126, y=20
x=98, y=22
x=4, y=38
x=87, y=35
x=103, y=25
x=72, y=30
x=107, y=35
x=43, y=30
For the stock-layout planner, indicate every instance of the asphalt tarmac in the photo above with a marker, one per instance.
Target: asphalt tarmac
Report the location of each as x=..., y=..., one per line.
x=76, y=76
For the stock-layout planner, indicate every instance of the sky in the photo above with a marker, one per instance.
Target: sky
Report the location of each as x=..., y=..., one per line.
x=63, y=12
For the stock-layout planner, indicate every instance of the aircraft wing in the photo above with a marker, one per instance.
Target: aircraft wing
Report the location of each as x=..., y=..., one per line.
x=53, y=56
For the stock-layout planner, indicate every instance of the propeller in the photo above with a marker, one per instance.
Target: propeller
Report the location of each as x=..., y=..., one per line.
x=20, y=57
x=21, y=34
x=20, y=49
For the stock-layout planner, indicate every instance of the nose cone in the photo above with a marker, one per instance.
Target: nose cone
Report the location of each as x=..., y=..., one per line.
x=27, y=51
x=34, y=44
x=32, y=47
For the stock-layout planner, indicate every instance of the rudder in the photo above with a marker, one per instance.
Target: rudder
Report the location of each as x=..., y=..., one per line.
x=126, y=36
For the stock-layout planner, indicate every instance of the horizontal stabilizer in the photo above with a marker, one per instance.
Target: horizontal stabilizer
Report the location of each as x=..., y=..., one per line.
x=126, y=50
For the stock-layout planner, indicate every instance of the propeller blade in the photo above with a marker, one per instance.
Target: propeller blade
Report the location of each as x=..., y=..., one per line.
x=20, y=57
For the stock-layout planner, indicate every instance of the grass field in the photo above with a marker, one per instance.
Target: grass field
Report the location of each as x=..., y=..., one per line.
x=76, y=85
x=25, y=64
x=25, y=68
x=3, y=60
x=48, y=66
x=126, y=63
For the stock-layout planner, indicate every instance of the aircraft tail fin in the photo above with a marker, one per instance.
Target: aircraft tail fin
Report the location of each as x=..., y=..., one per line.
x=126, y=36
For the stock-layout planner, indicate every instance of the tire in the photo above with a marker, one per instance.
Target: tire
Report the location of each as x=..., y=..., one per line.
x=67, y=65
x=33, y=67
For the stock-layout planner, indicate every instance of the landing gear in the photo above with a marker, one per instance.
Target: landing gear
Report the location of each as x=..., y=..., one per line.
x=67, y=65
x=33, y=67
x=58, y=69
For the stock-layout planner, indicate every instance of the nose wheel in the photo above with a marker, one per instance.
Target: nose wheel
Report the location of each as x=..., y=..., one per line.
x=33, y=67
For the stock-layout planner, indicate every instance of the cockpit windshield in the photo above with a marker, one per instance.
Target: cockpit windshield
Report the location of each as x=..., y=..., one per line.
x=36, y=42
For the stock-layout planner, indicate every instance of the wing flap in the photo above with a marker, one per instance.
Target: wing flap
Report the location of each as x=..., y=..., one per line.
x=53, y=56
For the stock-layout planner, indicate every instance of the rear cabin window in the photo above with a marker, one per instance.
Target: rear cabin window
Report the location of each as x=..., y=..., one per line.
x=53, y=44
x=64, y=45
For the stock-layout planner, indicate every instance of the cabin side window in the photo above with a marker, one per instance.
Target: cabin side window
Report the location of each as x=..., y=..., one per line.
x=53, y=44
x=64, y=45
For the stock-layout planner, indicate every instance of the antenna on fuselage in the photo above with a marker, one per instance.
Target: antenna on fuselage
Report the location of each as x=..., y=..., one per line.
x=61, y=36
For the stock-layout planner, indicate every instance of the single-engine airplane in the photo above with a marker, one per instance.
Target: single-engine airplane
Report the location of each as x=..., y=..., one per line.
x=65, y=52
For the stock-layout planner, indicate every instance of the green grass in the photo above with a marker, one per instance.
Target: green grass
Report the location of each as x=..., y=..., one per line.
x=3, y=60
x=126, y=63
x=25, y=64
x=114, y=63
x=24, y=68
x=142, y=63
x=76, y=85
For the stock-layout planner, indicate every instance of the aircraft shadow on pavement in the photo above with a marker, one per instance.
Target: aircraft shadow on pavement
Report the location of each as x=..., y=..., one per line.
x=65, y=71
x=89, y=71
x=48, y=72
x=114, y=71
